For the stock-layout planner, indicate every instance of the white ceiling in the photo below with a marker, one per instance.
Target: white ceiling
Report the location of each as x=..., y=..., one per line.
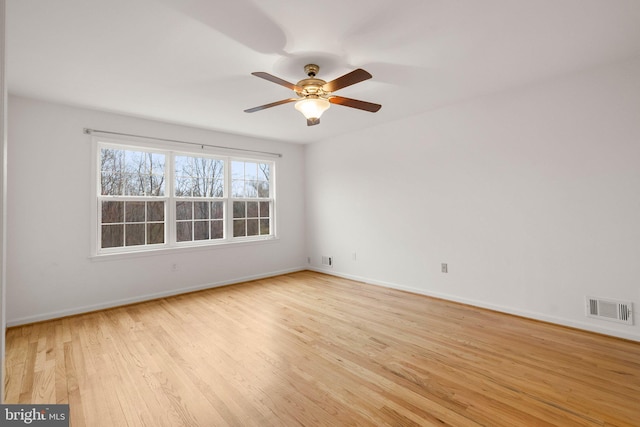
x=189, y=61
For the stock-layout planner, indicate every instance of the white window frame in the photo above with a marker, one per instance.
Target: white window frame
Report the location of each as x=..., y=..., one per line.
x=170, y=239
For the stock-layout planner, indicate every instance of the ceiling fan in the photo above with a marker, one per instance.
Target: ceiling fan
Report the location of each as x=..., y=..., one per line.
x=315, y=95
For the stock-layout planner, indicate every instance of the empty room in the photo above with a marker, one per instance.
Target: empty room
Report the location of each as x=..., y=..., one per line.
x=284, y=213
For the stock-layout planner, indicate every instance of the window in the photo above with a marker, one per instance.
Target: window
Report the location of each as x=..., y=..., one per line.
x=250, y=186
x=132, y=208
x=152, y=198
x=199, y=192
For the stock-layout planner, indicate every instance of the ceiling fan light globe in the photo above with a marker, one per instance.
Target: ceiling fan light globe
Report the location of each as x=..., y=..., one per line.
x=312, y=108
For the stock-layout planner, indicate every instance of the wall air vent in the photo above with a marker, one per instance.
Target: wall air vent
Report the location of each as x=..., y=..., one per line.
x=605, y=309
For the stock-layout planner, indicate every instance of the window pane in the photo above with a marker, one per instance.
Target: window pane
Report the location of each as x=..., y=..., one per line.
x=112, y=212
x=199, y=176
x=201, y=230
x=111, y=159
x=251, y=189
x=134, y=211
x=182, y=165
x=112, y=236
x=239, y=209
x=264, y=172
x=183, y=186
x=143, y=184
x=250, y=171
x=111, y=184
x=252, y=227
x=263, y=189
x=250, y=179
x=202, y=187
x=218, y=188
x=237, y=188
x=264, y=209
x=157, y=185
x=217, y=229
x=217, y=210
x=239, y=226
x=157, y=163
x=252, y=209
x=197, y=187
x=127, y=172
x=112, y=168
x=134, y=234
x=201, y=210
x=132, y=184
x=134, y=160
x=183, y=210
x=237, y=170
x=264, y=227
x=208, y=169
x=155, y=211
x=144, y=173
x=155, y=234
x=183, y=231
x=136, y=230
x=190, y=187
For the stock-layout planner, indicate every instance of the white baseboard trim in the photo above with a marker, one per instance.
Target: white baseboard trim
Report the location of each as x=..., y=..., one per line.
x=522, y=313
x=143, y=298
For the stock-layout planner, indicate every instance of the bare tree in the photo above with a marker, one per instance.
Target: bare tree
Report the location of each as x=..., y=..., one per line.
x=135, y=173
x=111, y=168
x=199, y=177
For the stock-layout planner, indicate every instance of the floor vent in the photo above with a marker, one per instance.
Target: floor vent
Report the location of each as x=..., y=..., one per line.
x=327, y=261
x=616, y=311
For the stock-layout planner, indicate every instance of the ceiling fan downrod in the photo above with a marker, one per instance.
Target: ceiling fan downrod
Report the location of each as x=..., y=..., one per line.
x=311, y=70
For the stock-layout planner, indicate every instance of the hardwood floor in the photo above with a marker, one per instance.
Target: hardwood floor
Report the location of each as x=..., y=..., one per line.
x=316, y=350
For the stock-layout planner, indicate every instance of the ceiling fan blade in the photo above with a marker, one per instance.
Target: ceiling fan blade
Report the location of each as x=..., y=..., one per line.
x=311, y=122
x=273, y=104
x=277, y=80
x=354, y=103
x=356, y=76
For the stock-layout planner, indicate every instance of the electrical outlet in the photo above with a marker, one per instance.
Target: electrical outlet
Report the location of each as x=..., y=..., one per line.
x=444, y=268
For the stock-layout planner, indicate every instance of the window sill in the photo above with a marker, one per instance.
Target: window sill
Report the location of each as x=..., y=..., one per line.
x=179, y=249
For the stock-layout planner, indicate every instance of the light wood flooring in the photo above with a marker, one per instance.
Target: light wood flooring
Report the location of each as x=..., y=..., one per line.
x=315, y=350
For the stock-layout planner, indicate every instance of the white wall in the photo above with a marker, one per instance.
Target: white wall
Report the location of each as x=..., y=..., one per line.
x=3, y=195
x=50, y=272
x=532, y=197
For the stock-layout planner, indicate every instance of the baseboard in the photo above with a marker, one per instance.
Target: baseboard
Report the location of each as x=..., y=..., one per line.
x=143, y=298
x=502, y=309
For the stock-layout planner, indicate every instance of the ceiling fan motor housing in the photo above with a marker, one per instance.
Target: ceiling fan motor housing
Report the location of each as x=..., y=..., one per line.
x=311, y=87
